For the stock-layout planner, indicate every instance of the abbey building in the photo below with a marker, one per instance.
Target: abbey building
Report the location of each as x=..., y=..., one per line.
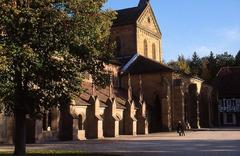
x=144, y=95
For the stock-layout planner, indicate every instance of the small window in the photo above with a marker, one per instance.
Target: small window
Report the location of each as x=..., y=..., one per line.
x=154, y=51
x=145, y=48
x=149, y=20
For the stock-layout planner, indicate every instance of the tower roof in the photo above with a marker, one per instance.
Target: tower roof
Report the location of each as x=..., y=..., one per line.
x=127, y=16
x=143, y=3
x=130, y=15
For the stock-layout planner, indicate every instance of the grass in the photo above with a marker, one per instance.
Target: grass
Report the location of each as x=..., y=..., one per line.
x=58, y=153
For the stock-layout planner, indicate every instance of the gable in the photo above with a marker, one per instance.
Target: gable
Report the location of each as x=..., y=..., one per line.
x=148, y=21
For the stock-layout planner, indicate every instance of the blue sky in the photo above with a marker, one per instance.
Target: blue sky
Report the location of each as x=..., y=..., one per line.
x=194, y=25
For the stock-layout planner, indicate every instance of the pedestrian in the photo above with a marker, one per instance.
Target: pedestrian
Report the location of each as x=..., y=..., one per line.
x=180, y=129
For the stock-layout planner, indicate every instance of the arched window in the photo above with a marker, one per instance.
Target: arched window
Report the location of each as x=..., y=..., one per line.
x=154, y=51
x=118, y=45
x=145, y=48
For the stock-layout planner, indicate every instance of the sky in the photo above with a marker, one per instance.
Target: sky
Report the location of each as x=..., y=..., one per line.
x=193, y=25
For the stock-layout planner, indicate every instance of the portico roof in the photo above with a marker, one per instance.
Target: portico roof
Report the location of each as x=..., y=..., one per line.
x=139, y=64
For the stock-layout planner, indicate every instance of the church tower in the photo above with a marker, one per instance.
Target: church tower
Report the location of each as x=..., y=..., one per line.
x=136, y=31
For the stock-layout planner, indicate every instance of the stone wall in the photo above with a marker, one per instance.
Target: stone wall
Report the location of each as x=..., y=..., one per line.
x=127, y=36
x=147, y=29
x=7, y=129
x=206, y=106
x=151, y=39
x=157, y=97
x=179, y=102
x=3, y=132
x=193, y=107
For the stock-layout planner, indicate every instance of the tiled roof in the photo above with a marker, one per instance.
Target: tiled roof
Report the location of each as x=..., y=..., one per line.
x=140, y=64
x=228, y=82
x=103, y=95
x=127, y=16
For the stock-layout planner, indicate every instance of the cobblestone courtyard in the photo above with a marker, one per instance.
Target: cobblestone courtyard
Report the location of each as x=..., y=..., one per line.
x=195, y=143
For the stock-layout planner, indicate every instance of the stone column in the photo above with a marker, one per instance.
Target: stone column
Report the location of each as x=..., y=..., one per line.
x=166, y=105
x=193, y=106
x=178, y=102
x=130, y=122
x=55, y=122
x=39, y=131
x=111, y=121
x=78, y=132
x=94, y=119
x=3, y=129
x=142, y=122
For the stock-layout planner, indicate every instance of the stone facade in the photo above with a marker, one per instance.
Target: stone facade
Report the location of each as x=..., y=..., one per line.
x=141, y=35
x=147, y=31
x=144, y=95
x=126, y=40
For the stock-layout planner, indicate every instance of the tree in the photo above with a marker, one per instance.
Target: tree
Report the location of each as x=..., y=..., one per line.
x=46, y=47
x=206, y=73
x=224, y=60
x=212, y=64
x=211, y=67
x=181, y=64
x=195, y=64
x=237, y=59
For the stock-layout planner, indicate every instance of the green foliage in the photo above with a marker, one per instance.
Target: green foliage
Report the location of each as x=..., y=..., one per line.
x=206, y=73
x=225, y=59
x=45, y=51
x=195, y=64
x=206, y=67
x=181, y=64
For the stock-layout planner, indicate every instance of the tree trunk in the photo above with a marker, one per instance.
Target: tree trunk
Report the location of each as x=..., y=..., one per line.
x=20, y=133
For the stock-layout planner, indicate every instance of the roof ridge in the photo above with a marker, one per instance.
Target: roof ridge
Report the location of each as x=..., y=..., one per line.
x=127, y=9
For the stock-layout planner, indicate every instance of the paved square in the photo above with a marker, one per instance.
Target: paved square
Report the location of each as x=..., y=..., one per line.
x=195, y=143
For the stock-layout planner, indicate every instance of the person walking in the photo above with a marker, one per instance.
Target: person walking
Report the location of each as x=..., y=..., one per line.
x=180, y=129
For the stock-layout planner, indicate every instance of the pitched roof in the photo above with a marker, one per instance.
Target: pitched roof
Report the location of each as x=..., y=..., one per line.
x=103, y=95
x=127, y=16
x=140, y=64
x=228, y=83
